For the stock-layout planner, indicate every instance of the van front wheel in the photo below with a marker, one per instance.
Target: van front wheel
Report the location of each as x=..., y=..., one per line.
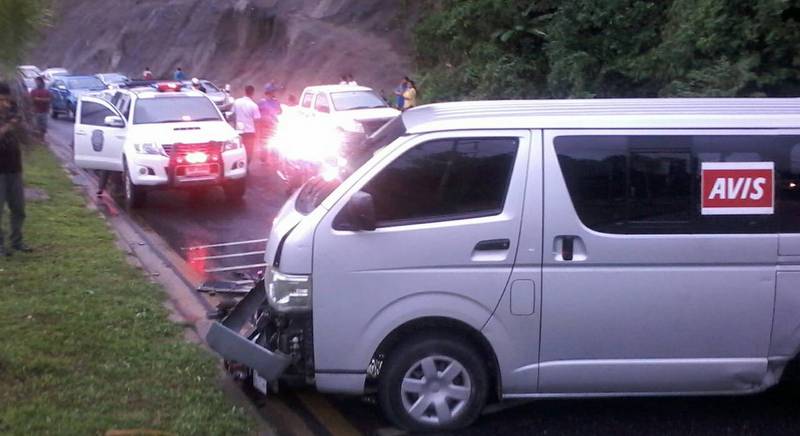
x=433, y=383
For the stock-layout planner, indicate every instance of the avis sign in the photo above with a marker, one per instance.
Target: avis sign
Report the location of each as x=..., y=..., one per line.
x=738, y=188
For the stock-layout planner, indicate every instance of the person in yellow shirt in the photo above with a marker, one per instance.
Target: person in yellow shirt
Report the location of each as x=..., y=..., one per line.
x=410, y=94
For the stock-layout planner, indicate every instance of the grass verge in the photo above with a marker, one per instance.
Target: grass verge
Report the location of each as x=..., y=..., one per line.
x=85, y=343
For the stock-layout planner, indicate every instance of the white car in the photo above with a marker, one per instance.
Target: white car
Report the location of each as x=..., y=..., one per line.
x=357, y=111
x=49, y=74
x=159, y=137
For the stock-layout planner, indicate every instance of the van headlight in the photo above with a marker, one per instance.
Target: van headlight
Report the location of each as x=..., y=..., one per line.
x=289, y=292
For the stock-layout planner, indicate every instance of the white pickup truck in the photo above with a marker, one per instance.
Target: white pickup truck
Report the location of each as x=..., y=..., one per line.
x=159, y=136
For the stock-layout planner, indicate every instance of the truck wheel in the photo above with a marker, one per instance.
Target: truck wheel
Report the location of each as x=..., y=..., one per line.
x=135, y=196
x=433, y=383
x=234, y=190
x=53, y=114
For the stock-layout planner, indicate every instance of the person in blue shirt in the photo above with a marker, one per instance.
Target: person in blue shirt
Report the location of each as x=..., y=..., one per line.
x=270, y=109
x=399, y=91
x=180, y=76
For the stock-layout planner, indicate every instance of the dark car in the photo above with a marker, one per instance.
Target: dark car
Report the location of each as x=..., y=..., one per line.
x=66, y=90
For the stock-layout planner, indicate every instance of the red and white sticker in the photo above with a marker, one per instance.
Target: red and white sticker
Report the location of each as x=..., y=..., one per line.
x=738, y=188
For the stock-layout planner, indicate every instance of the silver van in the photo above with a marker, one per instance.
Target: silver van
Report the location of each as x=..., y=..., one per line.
x=538, y=249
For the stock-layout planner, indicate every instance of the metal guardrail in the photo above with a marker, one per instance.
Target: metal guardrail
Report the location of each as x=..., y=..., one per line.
x=200, y=254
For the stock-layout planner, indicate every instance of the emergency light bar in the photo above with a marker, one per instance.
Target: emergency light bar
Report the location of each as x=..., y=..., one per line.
x=168, y=86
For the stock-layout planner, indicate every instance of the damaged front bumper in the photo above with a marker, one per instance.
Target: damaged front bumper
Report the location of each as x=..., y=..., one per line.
x=227, y=339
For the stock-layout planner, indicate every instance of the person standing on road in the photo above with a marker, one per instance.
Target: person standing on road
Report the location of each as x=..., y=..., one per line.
x=180, y=76
x=196, y=84
x=247, y=114
x=41, y=106
x=399, y=91
x=270, y=109
x=11, y=188
x=147, y=74
x=410, y=94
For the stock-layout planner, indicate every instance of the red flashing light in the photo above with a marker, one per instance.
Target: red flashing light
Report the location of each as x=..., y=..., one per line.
x=168, y=86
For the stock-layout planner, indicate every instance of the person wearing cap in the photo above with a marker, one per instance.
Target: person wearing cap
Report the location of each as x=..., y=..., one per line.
x=197, y=85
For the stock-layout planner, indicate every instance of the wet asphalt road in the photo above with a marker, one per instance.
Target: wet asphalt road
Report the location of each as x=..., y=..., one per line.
x=184, y=220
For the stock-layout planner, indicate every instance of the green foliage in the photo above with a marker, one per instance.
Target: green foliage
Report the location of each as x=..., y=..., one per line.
x=20, y=21
x=609, y=48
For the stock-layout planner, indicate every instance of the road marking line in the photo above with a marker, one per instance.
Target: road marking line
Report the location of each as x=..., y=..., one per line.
x=327, y=415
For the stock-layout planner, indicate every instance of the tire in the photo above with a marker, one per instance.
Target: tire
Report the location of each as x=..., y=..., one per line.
x=53, y=114
x=415, y=400
x=235, y=190
x=70, y=112
x=135, y=196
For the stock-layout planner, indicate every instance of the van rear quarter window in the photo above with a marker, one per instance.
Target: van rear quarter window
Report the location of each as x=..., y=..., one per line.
x=639, y=184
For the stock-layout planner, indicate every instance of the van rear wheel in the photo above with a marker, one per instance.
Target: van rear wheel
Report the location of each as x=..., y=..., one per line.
x=433, y=383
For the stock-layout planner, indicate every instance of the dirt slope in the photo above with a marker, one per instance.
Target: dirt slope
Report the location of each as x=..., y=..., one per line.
x=291, y=42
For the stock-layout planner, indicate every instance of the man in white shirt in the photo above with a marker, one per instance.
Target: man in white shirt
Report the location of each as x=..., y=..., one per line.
x=246, y=112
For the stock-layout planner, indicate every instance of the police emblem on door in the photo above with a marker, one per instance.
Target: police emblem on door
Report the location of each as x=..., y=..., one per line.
x=97, y=140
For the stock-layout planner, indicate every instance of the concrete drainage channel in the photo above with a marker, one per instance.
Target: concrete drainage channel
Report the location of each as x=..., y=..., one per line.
x=304, y=413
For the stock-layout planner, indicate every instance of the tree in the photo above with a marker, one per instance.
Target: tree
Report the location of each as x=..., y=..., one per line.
x=609, y=48
x=20, y=20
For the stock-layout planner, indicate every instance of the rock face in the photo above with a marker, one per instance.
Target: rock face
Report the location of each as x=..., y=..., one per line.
x=292, y=42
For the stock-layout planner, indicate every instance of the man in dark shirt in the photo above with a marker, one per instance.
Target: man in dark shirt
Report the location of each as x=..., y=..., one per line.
x=41, y=105
x=11, y=189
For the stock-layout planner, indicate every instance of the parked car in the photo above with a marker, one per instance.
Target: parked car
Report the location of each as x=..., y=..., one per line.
x=357, y=111
x=159, y=137
x=26, y=75
x=112, y=79
x=538, y=249
x=49, y=74
x=219, y=96
x=67, y=90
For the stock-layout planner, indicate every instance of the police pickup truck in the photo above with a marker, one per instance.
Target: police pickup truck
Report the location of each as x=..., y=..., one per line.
x=159, y=136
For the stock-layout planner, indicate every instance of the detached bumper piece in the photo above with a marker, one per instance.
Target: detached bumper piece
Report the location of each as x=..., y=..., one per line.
x=226, y=339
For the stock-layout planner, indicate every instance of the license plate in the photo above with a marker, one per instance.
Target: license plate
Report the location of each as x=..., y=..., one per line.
x=198, y=170
x=259, y=383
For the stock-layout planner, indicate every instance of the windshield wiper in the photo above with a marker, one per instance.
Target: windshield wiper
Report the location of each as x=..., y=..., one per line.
x=364, y=107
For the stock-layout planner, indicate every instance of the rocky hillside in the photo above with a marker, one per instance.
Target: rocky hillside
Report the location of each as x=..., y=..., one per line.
x=292, y=42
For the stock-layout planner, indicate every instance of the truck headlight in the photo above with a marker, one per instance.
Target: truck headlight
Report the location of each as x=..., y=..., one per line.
x=289, y=292
x=149, y=148
x=231, y=145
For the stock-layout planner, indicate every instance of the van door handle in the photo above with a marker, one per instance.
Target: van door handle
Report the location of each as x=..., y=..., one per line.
x=569, y=248
x=493, y=245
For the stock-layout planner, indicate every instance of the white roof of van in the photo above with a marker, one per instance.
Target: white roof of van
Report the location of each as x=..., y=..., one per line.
x=654, y=113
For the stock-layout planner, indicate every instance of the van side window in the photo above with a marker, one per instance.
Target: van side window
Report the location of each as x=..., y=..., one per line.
x=94, y=114
x=651, y=184
x=443, y=180
x=306, y=102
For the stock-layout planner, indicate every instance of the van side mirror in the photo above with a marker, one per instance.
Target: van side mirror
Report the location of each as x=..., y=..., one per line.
x=114, y=121
x=358, y=214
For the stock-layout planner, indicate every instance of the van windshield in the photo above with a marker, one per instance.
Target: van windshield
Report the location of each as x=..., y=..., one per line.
x=317, y=188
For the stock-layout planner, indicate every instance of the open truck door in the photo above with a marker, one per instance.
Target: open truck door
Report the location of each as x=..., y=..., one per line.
x=100, y=132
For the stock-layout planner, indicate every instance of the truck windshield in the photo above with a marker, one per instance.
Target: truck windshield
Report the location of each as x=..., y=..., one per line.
x=317, y=188
x=353, y=100
x=174, y=110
